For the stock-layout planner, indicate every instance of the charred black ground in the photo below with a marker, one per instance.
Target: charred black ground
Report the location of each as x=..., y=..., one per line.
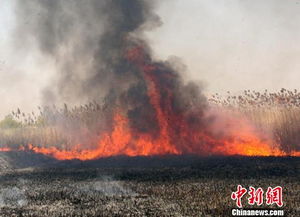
x=222, y=166
x=140, y=186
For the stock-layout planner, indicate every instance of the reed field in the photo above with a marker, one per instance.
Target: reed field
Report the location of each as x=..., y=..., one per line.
x=51, y=126
x=34, y=184
x=275, y=113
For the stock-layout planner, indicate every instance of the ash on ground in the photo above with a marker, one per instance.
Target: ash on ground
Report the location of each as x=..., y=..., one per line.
x=140, y=186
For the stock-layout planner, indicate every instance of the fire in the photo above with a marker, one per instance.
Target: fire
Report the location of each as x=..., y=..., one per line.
x=122, y=142
x=119, y=142
x=249, y=146
x=180, y=131
x=5, y=149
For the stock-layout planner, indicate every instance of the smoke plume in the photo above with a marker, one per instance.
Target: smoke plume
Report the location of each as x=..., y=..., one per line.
x=101, y=55
x=89, y=41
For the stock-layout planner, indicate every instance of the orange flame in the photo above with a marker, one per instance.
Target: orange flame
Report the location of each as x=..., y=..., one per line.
x=175, y=135
x=122, y=142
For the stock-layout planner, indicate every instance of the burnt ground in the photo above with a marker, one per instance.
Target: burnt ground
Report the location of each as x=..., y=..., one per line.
x=35, y=185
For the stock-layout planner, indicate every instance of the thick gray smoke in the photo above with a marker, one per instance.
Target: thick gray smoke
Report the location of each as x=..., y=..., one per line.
x=100, y=53
x=86, y=39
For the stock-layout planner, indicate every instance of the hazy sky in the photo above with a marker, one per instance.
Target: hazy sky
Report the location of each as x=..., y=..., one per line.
x=229, y=45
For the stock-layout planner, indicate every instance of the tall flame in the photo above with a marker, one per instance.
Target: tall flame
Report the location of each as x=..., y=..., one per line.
x=176, y=132
x=122, y=142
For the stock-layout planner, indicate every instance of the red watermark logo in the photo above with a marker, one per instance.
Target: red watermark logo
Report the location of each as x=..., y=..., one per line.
x=256, y=196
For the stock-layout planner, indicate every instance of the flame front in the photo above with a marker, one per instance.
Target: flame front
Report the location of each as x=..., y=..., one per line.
x=122, y=142
x=179, y=130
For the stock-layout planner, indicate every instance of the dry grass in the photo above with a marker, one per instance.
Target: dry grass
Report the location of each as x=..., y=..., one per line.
x=277, y=113
x=54, y=127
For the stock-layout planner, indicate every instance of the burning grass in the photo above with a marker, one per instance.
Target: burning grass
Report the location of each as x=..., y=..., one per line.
x=253, y=124
x=275, y=112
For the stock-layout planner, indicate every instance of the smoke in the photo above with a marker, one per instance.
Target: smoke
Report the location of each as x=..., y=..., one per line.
x=106, y=185
x=101, y=55
x=13, y=197
x=89, y=42
x=86, y=40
